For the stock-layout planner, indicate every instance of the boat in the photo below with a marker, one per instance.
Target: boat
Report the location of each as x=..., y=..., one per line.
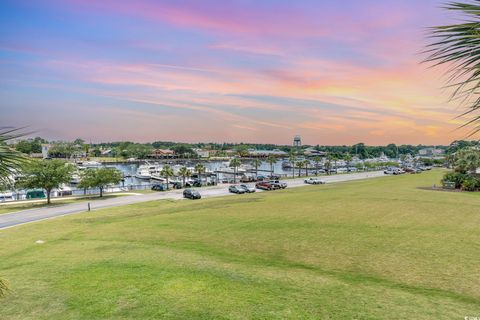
x=286, y=165
x=89, y=164
x=146, y=171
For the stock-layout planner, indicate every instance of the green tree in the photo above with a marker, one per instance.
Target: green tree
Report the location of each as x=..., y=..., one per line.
x=348, y=159
x=184, y=173
x=63, y=150
x=306, y=163
x=167, y=172
x=235, y=163
x=47, y=175
x=292, y=158
x=242, y=150
x=328, y=165
x=29, y=146
x=100, y=178
x=300, y=166
x=200, y=169
x=467, y=160
x=271, y=160
x=317, y=161
x=458, y=47
x=257, y=163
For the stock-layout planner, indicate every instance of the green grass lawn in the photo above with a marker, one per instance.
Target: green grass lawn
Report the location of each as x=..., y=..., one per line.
x=373, y=249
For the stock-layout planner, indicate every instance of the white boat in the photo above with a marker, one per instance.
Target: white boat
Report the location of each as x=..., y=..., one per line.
x=76, y=178
x=89, y=164
x=146, y=171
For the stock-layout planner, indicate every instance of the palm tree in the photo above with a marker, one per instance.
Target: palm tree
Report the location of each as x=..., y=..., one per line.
x=167, y=172
x=328, y=165
x=11, y=161
x=348, y=158
x=306, y=164
x=271, y=161
x=292, y=158
x=199, y=169
x=317, y=162
x=184, y=173
x=458, y=47
x=256, y=163
x=235, y=163
x=300, y=165
x=468, y=160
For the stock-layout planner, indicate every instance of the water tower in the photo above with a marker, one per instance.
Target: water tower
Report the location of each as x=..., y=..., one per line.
x=297, y=141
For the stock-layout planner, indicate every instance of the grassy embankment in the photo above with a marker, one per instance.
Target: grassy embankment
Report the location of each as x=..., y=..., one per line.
x=373, y=249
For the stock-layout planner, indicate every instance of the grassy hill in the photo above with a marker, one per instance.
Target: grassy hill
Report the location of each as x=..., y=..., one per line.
x=371, y=249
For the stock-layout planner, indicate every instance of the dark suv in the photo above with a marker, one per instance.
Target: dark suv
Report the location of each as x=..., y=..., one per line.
x=191, y=194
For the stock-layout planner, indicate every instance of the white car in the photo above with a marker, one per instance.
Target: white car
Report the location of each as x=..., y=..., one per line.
x=314, y=181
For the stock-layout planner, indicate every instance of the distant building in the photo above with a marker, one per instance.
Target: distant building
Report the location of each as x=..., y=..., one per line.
x=163, y=153
x=266, y=153
x=314, y=152
x=297, y=141
x=202, y=153
x=430, y=152
x=45, y=149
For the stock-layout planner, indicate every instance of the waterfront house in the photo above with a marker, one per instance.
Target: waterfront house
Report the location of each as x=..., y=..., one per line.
x=163, y=154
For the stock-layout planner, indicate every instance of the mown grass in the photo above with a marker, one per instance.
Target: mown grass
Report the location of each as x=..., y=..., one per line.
x=372, y=249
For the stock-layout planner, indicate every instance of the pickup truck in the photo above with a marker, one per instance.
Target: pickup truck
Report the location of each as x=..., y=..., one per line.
x=263, y=185
x=278, y=184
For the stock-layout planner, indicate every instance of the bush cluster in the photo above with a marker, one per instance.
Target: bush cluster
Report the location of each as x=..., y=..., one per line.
x=462, y=181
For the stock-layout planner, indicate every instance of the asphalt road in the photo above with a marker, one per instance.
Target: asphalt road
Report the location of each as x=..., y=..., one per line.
x=8, y=220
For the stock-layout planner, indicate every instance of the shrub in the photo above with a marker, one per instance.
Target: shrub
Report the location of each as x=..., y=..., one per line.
x=470, y=184
x=456, y=177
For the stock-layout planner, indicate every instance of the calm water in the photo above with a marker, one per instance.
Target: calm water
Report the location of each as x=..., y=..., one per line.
x=129, y=169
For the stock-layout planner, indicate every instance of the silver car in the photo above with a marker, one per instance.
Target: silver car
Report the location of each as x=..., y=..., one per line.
x=247, y=188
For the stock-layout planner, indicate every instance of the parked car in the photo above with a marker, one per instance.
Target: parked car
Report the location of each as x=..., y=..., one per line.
x=177, y=185
x=247, y=188
x=191, y=194
x=278, y=184
x=398, y=171
x=411, y=170
x=314, y=181
x=342, y=170
x=159, y=187
x=236, y=189
x=261, y=178
x=389, y=171
x=195, y=183
x=274, y=177
x=263, y=185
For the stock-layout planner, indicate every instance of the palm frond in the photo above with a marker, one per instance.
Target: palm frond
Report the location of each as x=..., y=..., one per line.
x=11, y=161
x=458, y=47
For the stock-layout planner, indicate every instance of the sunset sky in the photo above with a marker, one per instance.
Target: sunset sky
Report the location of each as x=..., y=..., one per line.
x=335, y=72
